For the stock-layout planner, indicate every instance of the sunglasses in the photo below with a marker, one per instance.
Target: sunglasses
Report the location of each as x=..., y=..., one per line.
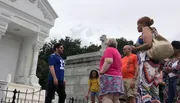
x=61, y=48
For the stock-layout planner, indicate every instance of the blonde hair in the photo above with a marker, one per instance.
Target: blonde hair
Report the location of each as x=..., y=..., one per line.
x=111, y=42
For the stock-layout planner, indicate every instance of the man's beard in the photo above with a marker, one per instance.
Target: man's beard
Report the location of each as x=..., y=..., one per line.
x=60, y=53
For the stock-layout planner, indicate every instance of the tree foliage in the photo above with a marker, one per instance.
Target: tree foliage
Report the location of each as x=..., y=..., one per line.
x=122, y=42
x=71, y=47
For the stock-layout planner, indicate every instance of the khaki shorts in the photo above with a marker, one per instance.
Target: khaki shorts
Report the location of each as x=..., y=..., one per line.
x=130, y=92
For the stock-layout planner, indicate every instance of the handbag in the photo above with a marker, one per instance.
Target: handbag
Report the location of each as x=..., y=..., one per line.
x=161, y=48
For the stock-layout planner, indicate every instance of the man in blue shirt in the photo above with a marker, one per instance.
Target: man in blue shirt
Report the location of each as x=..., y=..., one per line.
x=56, y=75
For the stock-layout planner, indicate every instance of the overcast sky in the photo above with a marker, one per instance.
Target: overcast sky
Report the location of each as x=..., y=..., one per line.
x=89, y=19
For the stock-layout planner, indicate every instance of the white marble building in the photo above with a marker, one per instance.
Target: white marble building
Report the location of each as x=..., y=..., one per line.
x=24, y=25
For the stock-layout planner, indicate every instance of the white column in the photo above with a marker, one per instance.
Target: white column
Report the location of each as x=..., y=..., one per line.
x=36, y=49
x=3, y=28
x=39, y=42
x=33, y=80
x=24, y=62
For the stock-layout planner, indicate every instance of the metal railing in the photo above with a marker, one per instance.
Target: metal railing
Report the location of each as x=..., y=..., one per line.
x=16, y=96
x=76, y=100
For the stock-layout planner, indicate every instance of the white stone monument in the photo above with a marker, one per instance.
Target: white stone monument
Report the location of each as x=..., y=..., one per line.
x=78, y=68
x=103, y=39
x=24, y=25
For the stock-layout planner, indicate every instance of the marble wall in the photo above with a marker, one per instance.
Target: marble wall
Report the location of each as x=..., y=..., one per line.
x=9, y=53
x=77, y=72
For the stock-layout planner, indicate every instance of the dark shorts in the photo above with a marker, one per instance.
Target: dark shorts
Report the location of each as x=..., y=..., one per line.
x=94, y=93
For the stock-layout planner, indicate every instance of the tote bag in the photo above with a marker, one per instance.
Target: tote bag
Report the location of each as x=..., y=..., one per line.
x=161, y=48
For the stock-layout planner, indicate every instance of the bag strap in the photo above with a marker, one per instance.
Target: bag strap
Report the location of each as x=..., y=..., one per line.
x=157, y=35
x=154, y=31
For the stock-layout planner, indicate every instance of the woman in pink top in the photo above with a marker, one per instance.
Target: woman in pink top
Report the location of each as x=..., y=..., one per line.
x=111, y=83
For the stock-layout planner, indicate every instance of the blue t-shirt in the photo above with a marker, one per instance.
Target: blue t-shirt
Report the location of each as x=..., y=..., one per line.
x=58, y=63
x=140, y=40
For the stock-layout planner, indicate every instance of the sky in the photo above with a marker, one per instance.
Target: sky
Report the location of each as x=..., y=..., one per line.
x=89, y=19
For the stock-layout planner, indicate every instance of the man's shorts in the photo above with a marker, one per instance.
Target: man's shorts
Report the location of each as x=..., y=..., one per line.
x=130, y=92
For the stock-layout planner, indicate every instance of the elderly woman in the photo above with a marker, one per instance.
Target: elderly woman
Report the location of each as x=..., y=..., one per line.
x=172, y=69
x=111, y=83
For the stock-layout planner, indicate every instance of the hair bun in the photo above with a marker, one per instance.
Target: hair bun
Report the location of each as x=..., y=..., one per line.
x=176, y=44
x=151, y=21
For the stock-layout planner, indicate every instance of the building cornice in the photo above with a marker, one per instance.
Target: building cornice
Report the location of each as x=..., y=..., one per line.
x=50, y=9
x=3, y=25
x=25, y=15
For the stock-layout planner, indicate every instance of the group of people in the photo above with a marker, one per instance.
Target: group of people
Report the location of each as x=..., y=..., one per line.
x=136, y=77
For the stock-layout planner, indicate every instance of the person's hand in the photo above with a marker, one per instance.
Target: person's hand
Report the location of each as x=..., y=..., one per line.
x=87, y=96
x=132, y=84
x=146, y=96
x=155, y=101
x=55, y=81
x=168, y=69
x=101, y=73
x=133, y=47
x=64, y=82
x=162, y=83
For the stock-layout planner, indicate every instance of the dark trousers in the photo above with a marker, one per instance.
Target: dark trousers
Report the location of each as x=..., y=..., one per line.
x=60, y=89
x=161, y=92
x=171, y=89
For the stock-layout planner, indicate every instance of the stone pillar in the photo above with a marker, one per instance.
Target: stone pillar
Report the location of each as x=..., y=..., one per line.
x=24, y=62
x=36, y=49
x=39, y=42
x=28, y=59
x=33, y=78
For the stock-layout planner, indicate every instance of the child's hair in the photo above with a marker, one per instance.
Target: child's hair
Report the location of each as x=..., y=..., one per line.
x=91, y=76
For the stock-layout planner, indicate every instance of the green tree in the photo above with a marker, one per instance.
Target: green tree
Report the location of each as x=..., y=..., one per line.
x=71, y=47
x=122, y=42
x=90, y=48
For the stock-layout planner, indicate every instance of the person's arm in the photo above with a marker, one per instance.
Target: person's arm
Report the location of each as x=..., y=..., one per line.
x=161, y=81
x=51, y=63
x=89, y=89
x=147, y=39
x=106, y=65
x=161, y=77
x=64, y=81
x=98, y=82
x=107, y=62
x=136, y=67
x=177, y=68
x=52, y=72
